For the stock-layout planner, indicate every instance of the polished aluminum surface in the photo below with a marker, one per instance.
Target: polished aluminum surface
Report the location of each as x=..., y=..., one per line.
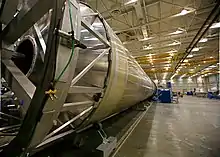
x=123, y=81
x=106, y=67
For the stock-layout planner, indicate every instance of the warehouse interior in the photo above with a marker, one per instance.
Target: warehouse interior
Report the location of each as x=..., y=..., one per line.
x=110, y=78
x=158, y=33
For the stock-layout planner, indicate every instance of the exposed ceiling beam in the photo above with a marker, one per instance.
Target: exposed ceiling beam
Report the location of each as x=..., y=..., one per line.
x=200, y=11
x=128, y=10
x=169, y=37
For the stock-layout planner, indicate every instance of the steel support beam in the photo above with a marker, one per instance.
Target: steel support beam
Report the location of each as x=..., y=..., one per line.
x=160, y=20
x=54, y=138
x=51, y=108
x=88, y=67
x=83, y=89
x=25, y=20
x=69, y=122
x=40, y=100
x=19, y=83
x=8, y=10
x=213, y=16
x=90, y=28
x=40, y=40
x=71, y=106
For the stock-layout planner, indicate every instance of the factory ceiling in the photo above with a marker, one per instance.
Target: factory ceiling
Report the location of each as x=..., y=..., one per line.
x=158, y=33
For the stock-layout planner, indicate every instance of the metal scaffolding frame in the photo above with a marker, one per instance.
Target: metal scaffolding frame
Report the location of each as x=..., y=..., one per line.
x=40, y=111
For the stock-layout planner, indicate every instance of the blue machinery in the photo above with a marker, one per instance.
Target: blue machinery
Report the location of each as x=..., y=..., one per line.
x=165, y=95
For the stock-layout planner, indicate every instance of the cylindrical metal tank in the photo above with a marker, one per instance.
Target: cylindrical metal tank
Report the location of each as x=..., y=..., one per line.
x=123, y=81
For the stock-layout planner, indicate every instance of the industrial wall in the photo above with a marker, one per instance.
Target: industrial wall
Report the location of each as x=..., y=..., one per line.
x=204, y=84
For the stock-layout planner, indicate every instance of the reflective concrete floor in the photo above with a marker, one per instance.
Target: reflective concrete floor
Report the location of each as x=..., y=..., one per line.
x=188, y=129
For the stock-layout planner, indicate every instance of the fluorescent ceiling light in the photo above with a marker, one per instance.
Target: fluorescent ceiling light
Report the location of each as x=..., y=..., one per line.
x=130, y=2
x=215, y=25
x=203, y=40
x=149, y=47
x=145, y=39
x=173, y=76
x=175, y=43
x=172, y=51
x=178, y=31
x=171, y=54
x=183, y=76
x=212, y=66
x=168, y=57
x=16, y=14
x=195, y=49
x=149, y=55
x=184, y=12
x=190, y=56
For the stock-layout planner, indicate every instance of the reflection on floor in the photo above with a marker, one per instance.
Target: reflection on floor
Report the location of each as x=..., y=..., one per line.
x=188, y=129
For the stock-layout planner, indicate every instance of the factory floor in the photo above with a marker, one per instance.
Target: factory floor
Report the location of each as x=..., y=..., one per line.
x=190, y=128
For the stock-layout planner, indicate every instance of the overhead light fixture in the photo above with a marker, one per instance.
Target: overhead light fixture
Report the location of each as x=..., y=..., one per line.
x=215, y=25
x=190, y=56
x=172, y=51
x=195, y=49
x=212, y=66
x=178, y=31
x=183, y=76
x=149, y=55
x=174, y=43
x=16, y=14
x=211, y=57
x=173, y=76
x=184, y=12
x=149, y=47
x=130, y=2
x=167, y=68
x=171, y=54
x=203, y=40
x=145, y=39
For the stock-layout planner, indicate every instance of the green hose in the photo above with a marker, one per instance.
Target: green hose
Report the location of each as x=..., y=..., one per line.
x=73, y=45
